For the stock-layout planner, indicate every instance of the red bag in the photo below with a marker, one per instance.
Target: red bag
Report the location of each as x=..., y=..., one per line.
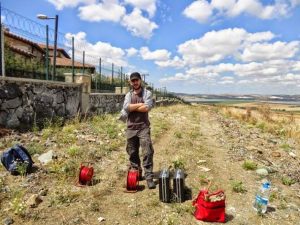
x=207, y=210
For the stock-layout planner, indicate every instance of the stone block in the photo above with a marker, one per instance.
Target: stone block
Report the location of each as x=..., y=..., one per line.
x=28, y=115
x=39, y=89
x=10, y=91
x=13, y=122
x=19, y=112
x=12, y=103
x=59, y=97
x=3, y=117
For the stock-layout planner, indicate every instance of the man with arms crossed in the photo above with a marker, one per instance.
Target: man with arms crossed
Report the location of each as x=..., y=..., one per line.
x=137, y=104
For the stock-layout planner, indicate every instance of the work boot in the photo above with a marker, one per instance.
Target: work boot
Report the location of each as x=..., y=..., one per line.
x=151, y=184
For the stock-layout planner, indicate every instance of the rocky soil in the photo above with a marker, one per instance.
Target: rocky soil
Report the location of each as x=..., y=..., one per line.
x=200, y=139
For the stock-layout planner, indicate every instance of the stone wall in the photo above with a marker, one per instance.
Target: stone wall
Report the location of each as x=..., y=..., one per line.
x=105, y=103
x=167, y=102
x=25, y=101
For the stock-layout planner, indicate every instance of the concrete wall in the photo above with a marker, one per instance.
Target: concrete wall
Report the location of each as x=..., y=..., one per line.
x=105, y=103
x=24, y=101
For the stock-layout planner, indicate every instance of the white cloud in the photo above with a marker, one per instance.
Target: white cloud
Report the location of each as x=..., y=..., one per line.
x=157, y=55
x=254, y=58
x=115, y=11
x=213, y=46
x=274, y=72
x=252, y=7
x=203, y=10
x=260, y=36
x=223, y=5
x=176, y=77
x=226, y=80
x=103, y=50
x=138, y=25
x=176, y=62
x=109, y=10
x=270, y=51
x=161, y=57
x=236, y=44
x=296, y=67
x=147, y=5
x=199, y=10
x=131, y=52
x=60, y=4
x=295, y=2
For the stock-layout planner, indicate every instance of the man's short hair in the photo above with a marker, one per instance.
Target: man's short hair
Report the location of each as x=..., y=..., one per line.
x=135, y=75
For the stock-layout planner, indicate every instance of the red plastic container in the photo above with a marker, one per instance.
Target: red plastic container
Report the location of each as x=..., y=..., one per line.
x=85, y=174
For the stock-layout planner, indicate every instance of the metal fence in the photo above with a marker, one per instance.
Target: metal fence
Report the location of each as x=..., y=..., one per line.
x=72, y=56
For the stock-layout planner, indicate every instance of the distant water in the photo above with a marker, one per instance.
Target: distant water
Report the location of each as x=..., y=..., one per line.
x=216, y=100
x=236, y=101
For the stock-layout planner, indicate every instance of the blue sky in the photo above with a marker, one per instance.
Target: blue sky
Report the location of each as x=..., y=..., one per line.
x=214, y=47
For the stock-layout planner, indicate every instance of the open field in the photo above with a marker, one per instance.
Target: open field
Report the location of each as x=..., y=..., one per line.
x=279, y=107
x=210, y=142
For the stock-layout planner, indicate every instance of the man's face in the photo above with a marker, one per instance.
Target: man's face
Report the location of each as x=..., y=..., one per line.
x=136, y=83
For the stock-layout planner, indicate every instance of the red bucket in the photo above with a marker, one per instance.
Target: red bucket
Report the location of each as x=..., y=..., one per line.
x=85, y=174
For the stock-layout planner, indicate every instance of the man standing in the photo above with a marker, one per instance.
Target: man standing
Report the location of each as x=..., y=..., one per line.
x=137, y=104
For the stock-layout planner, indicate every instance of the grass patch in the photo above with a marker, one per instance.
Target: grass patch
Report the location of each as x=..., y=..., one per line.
x=35, y=148
x=249, y=165
x=261, y=125
x=73, y=151
x=17, y=205
x=286, y=147
x=178, y=134
x=287, y=181
x=179, y=164
x=64, y=197
x=237, y=186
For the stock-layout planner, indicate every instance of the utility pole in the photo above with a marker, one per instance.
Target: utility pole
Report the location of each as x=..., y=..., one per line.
x=144, y=75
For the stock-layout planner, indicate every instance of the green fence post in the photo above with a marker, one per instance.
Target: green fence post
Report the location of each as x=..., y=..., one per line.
x=112, y=73
x=100, y=74
x=73, y=60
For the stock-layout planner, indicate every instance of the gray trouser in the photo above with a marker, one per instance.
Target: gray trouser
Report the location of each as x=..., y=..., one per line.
x=135, y=139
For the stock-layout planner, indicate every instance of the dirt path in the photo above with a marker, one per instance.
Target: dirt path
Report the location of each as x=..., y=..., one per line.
x=197, y=140
x=208, y=146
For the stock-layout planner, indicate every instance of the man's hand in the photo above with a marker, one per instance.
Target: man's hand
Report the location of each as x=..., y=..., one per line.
x=139, y=107
x=143, y=108
x=134, y=107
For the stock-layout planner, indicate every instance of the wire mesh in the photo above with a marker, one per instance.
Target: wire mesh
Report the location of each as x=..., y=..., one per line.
x=106, y=74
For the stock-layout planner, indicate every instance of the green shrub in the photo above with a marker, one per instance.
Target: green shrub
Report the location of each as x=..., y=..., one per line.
x=237, y=186
x=249, y=165
x=287, y=181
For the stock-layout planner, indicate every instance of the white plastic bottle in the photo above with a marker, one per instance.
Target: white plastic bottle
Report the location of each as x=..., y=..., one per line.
x=262, y=198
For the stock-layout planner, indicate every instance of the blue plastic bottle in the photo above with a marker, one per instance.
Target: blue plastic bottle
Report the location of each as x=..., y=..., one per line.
x=262, y=198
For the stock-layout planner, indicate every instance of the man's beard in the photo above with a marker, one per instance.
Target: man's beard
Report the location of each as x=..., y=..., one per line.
x=136, y=87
